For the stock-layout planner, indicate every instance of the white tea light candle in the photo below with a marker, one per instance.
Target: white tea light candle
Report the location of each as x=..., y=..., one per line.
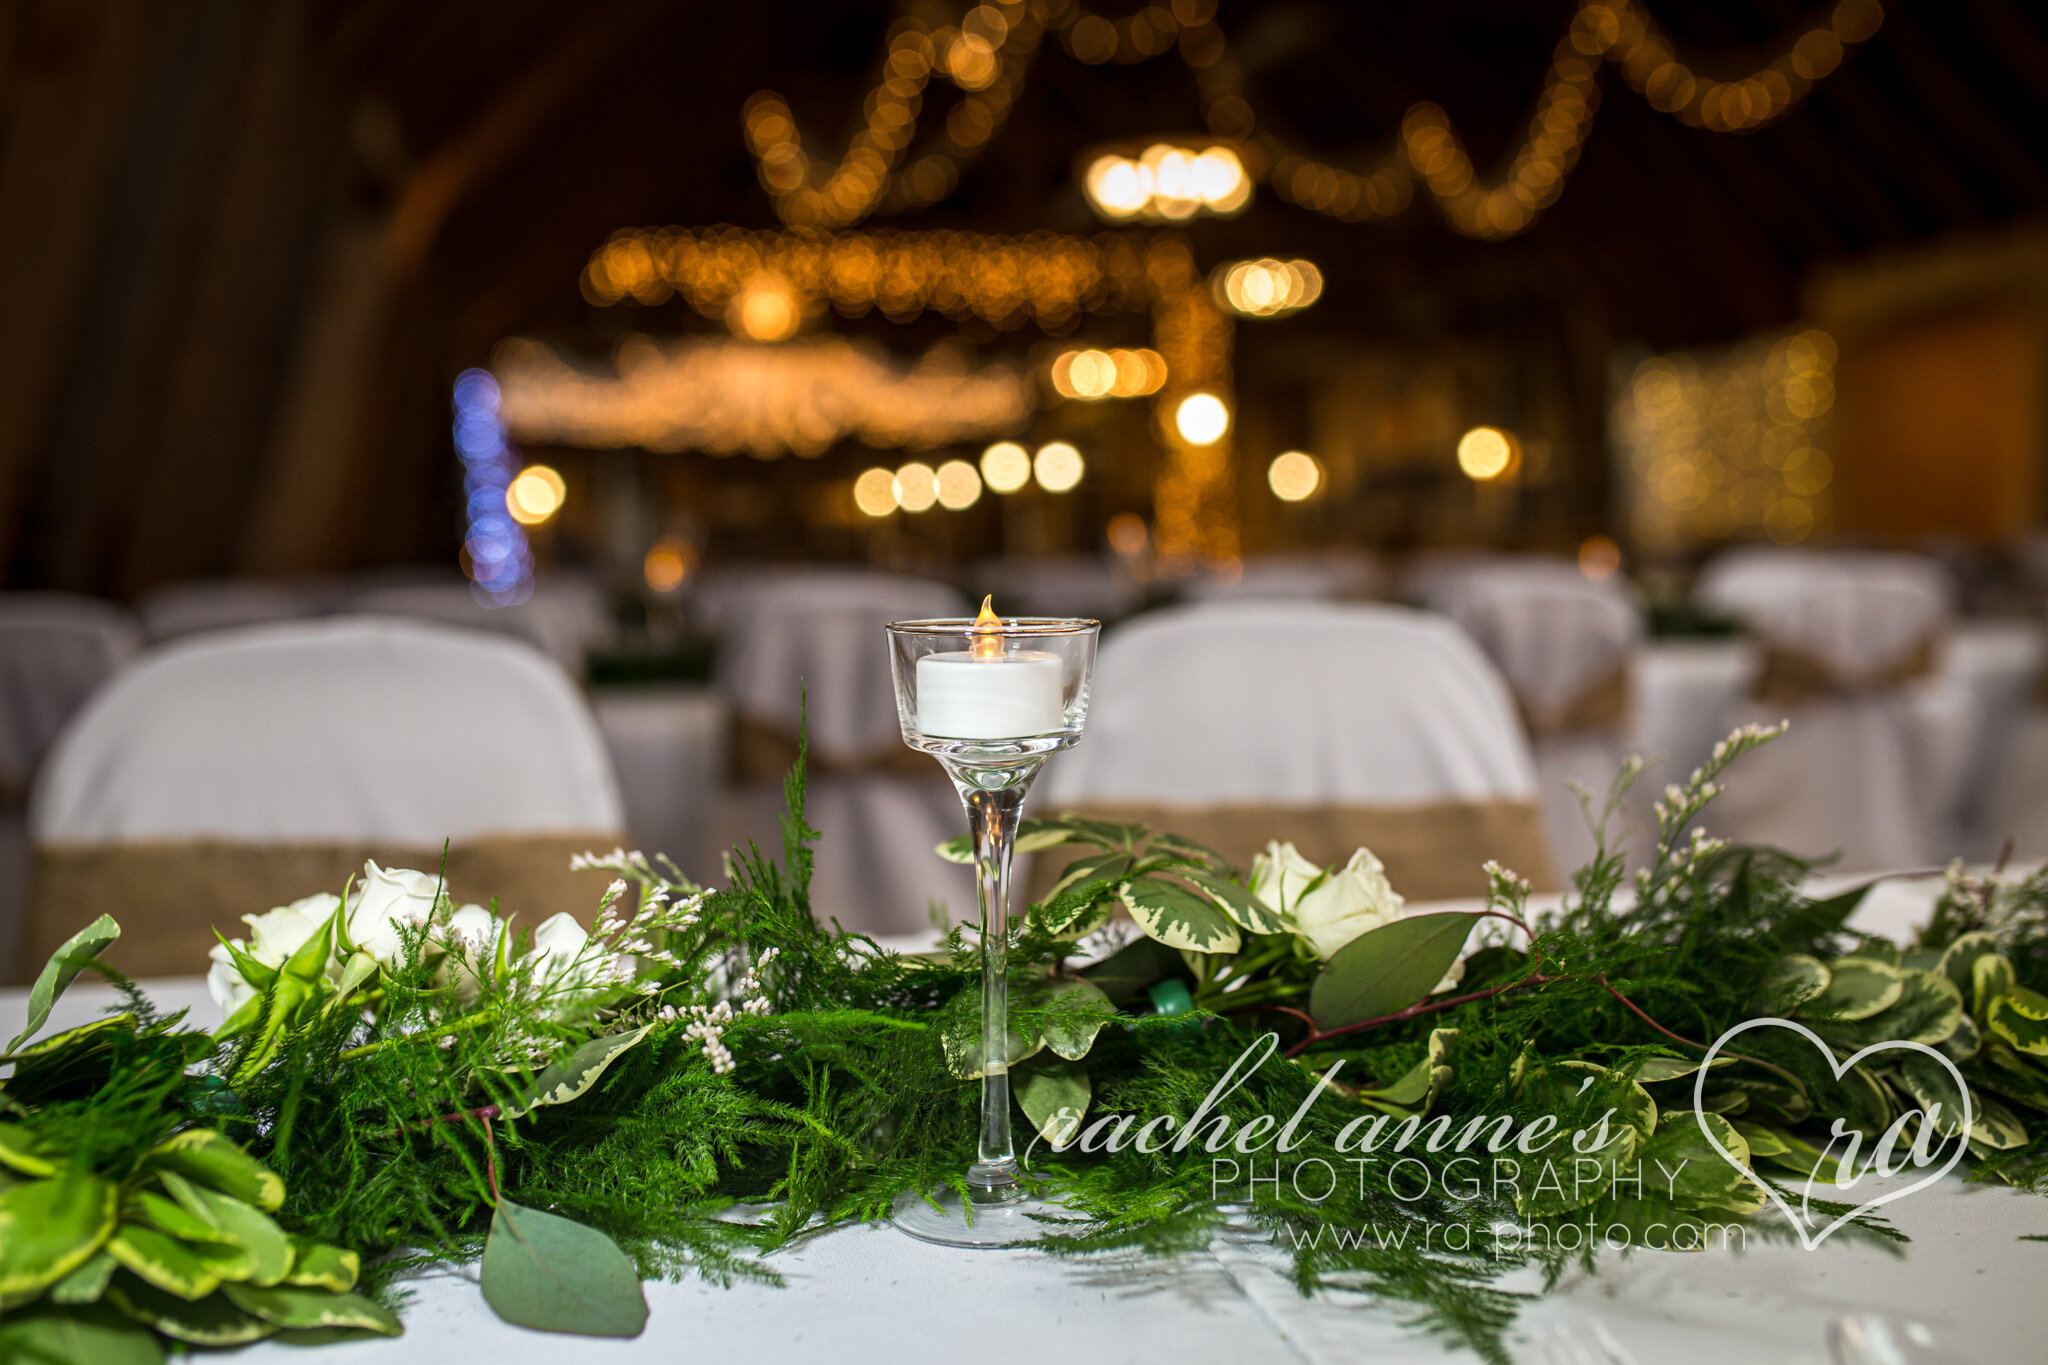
x=983, y=692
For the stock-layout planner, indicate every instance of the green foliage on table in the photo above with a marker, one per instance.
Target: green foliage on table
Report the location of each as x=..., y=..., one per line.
x=124, y=1224
x=398, y=1113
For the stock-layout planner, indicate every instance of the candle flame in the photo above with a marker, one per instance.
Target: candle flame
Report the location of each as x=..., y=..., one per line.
x=987, y=632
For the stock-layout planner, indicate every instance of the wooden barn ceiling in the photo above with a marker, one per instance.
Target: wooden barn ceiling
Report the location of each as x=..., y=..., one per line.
x=245, y=244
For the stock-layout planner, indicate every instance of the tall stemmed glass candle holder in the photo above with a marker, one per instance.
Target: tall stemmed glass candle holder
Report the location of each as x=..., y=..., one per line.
x=991, y=699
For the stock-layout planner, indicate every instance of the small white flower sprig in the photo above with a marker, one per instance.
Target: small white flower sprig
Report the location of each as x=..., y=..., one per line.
x=1677, y=855
x=682, y=964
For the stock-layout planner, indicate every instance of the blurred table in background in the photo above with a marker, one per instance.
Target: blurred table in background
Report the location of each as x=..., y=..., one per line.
x=668, y=746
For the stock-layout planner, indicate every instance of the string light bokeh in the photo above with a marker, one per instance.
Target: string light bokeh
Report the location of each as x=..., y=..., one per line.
x=1729, y=443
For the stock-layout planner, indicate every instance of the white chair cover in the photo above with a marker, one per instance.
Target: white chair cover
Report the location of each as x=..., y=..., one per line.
x=1870, y=774
x=1056, y=585
x=203, y=604
x=337, y=730
x=1557, y=636
x=564, y=618
x=1294, y=702
x=792, y=633
x=2015, y=804
x=1331, y=575
x=56, y=649
x=668, y=747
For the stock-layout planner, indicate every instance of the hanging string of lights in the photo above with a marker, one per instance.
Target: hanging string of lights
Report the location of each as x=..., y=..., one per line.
x=987, y=53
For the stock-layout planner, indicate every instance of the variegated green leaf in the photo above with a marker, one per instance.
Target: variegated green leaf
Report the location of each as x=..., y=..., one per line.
x=2020, y=1017
x=1096, y=868
x=211, y=1321
x=1180, y=846
x=1179, y=918
x=73, y=956
x=287, y=1306
x=1991, y=976
x=1240, y=904
x=237, y=1224
x=1960, y=957
x=203, y=1155
x=563, y=1081
x=1106, y=834
x=49, y=1228
x=1993, y=1128
x=316, y=1265
x=87, y=1283
x=163, y=1261
x=19, y=1151
x=77, y=1336
x=1793, y=980
x=960, y=1040
x=1857, y=988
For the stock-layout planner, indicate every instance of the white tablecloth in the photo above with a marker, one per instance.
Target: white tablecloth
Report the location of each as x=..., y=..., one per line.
x=871, y=1294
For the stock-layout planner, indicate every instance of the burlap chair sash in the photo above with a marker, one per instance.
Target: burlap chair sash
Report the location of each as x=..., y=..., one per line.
x=763, y=750
x=1790, y=675
x=169, y=896
x=1603, y=705
x=1432, y=851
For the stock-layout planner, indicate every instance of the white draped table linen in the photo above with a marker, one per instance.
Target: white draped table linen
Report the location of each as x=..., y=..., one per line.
x=796, y=638
x=1555, y=634
x=868, y=1295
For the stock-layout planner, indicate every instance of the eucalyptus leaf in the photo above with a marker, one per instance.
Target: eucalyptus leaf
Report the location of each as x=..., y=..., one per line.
x=563, y=1081
x=73, y=956
x=1655, y=1069
x=960, y=1041
x=549, y=1273
x=1387, y=969
x=49, y=1228
x=1761, y=1139
x=2020, y=1017
x=76, y=1336
x=1179, y=918
x=1054, y=1096
x=1070, y=1032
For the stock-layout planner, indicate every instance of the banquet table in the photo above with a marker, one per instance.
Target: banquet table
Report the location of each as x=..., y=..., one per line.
x=868, y=1293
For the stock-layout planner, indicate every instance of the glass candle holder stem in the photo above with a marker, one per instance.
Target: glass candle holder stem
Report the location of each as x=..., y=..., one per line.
x=994, y=800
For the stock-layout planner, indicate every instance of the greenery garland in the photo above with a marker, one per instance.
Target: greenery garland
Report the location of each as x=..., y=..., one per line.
x=581, y=1113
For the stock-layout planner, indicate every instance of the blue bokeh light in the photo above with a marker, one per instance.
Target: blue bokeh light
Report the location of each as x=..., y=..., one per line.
x=501, y=564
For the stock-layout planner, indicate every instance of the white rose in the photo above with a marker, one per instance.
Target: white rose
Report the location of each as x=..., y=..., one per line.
x=274, y=936
x=1353, y=899
x=555, y=946
x=390, y=897
x=471, y=939
x=225, y=984
x=1280, y=875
